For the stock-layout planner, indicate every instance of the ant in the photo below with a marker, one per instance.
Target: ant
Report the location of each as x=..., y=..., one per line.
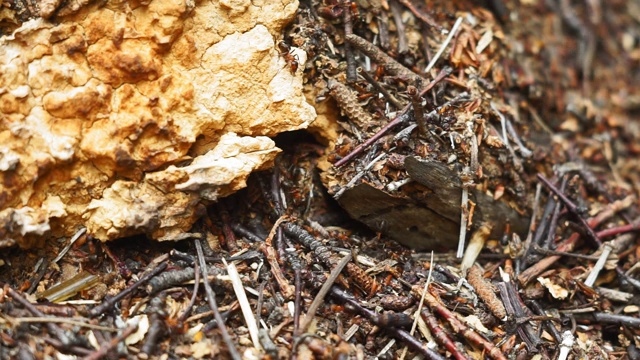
x=289, y=56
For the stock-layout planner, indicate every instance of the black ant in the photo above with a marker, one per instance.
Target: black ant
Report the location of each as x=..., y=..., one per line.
x=289, y=56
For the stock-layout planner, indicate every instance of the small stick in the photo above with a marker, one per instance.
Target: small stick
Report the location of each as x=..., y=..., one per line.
x=444, y=45
x=418, y=111
x=245, y=307
x=270, y=253
x=110, y=302
x=324, y=290
x=400, y=118
x=459, y=327
x=553, y=224
x=229, y=236
x=572, y=208
x=211, y=297
x=593, y=275
x=376, y=85
x=192, y=302
x=622, y=320
x=424, y=17
x=157, y=325
x=618, y=230
x=390, y=64
x=104, y=349
x=442, y=337
x=566, y=345
x=464, y=213
x=403, y=46
x=552, y=329
x=383, y=26
x=352, y=76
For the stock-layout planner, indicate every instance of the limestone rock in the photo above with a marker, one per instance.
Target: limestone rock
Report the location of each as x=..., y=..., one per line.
x=131, y=113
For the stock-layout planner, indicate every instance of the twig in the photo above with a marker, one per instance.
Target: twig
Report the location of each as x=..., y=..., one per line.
x=464, y=213
x=270, y=253
x=157, y=325
x=352, y=76
x=444, y=45
x=420, y=15
x=593, y=275
x=565, y=345
x=403, y=46
x=211, y=297
x=324, y=290
x=442, y=337
x=110, y=302
x=229, y=236
x=390, y=64
x=245, y=307
x=192, y=302
x=392, y=99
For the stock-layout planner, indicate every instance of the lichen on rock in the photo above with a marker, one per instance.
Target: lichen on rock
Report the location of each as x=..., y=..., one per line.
x=146, y=107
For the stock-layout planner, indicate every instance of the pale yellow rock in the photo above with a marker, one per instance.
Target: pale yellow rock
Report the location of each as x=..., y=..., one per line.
x=133, y=113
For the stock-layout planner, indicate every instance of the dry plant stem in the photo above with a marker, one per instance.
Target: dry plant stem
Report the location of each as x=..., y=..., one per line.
x=618, y=230
x=324, y=290
x=245, y=307
x=442, y=337
x=229, y=236
x=446, y=42
x=572, y=208
x=487, y=292
x=376, y=85
x=157, y=323
x=297, y=308
x=352, y=76
x=110, y=302
x=622, y=320
x=420, y=15
x=403, y=335
x=211, y=298
x=515, y=308
x=418, y=111
x=459, y=327
x=53, y=328
x=391, y=65
x=403, y=46
x=393, y=123
x=77, y=350
x=383, y=26
x=104, y=349
x=192, y=302
x=270, y=253
x=548, y=324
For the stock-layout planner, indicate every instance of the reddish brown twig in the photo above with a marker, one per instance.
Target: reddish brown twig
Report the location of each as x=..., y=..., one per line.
x=403, y=116
x=458, y=326
x=420, y=15
x=618, y=230
x=441, y=336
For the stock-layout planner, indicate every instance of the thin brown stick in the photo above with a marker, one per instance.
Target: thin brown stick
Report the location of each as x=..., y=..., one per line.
x=211, y=297
x=324, y=290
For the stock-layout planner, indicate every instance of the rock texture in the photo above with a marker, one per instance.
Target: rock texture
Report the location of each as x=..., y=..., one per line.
x=125, y=115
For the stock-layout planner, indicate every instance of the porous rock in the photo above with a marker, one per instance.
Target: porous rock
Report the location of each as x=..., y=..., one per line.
x=123, y=116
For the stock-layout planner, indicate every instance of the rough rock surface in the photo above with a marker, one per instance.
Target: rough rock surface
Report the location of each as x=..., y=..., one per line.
x=125, y=115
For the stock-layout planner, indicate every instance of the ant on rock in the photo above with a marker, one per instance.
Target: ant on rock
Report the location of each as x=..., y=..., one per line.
x=287, y=53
